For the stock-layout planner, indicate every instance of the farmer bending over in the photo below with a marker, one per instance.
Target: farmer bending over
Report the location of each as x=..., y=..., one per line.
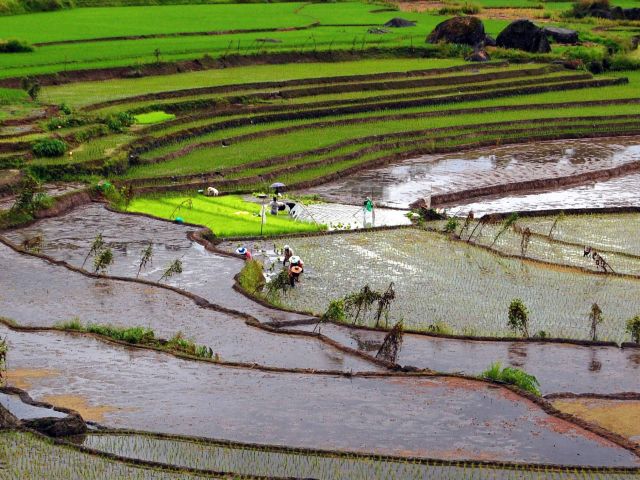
x=296, y=268
x=244, y=252
x=288, y=253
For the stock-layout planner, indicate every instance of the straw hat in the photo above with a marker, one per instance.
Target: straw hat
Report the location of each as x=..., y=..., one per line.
x=296, y=269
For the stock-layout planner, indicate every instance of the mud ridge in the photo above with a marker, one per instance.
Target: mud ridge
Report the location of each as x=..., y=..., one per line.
x=348, y=110
x=490, y=128
x=231, y=104
x=201, y=302
x=541, y=402
x=175, y=35
x=530, y=186
x=389, y=159
x=291, y=83
x=356, y=454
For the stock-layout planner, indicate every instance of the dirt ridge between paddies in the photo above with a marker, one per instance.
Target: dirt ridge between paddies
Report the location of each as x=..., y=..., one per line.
x=199, y=301
x=546, y=406
x=209, y=63
x=243, y=183
x=372, y=107
x=294, y=82
x=135, y=462
x=206, y=33
x=212, y=246
x=540, y=402
x=381, y=142
x=328, y=123
x=304, y=184
x=360, y=455
x=399, y=82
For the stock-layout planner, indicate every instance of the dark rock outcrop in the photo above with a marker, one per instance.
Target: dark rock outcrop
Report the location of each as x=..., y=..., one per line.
x=631, y=13
x=72, y=424
x=562, y=35
x=7, y=419
x=478, y=55
x=398, y=22
x=524, y=35
x=461, y=30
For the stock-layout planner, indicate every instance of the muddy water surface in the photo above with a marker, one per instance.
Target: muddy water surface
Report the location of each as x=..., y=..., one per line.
x=34, y=292
x=406, y=416
x=404, y=182
x=69, y=237
x=617, y=192
x=558, y=367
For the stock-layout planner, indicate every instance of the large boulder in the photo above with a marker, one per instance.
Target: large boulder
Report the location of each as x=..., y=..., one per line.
x=462, y=30
x=524, y=35
x=631, y=13
x=562, y=35
x=398, y=22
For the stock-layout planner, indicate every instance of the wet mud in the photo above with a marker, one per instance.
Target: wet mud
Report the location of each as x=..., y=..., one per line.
x=558, y=367
x=36, y=293
x=401, y=183
x=619, y=416
x=405, y=416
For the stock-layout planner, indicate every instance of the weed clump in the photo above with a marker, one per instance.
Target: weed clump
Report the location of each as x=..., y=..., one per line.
x=512, y=376
x=141, y=336
x=49, y=147
x=251, y=277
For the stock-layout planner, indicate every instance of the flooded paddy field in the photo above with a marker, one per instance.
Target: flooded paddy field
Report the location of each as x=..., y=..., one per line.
x=303, y=464
x=69, y=238
x=52, y=189
x=37, y=293
x=400, y=415
x=401, y=183
x=558, y=367
x=618, y=192
x=468, y=289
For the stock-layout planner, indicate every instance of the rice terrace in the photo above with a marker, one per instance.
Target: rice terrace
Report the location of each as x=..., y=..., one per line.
x=375, y=239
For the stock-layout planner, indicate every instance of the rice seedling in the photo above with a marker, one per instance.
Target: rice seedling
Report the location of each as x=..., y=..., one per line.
x=633, y=328
x=392, y=344
x=284, y=462
x=441, y=281
x=595, y=316
x=103, y=261
x=146, y=259
x=227, y=216
x=96, y=247
x=175, y=268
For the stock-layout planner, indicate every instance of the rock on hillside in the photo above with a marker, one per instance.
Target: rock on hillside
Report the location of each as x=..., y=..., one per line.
x=462, y=30
x=524, y=35
x=398, y=22
x=561, y=35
